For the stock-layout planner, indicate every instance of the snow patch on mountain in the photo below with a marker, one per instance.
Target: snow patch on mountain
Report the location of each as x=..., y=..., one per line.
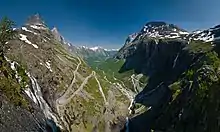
x=206, y=38
x=25, y=29
x=38, y=27
x=184, y=33
x=131, y=37
x=95, y=48
x=69, y=44
x=24, y=38
x=111, y=49
x=159, y=30
x=208, y=35
x=84, y=47
x=162, y=30
x=48, y=65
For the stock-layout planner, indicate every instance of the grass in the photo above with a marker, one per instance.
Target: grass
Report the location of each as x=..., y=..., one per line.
x=93, y=89
x=199, y=46
x=23, y=75
x=10, y=87
x=61, y=87
x=176, y=89
x=111, y=68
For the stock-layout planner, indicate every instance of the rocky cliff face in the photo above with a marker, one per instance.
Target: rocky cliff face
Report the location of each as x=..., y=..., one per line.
x=183, y=72
x=59, y=90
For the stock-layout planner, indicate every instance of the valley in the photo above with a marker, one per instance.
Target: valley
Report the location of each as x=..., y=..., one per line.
x=161, y=78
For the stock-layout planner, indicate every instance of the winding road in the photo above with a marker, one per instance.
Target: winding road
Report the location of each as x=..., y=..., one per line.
x=67, y=100
x=100, y=89
x=64, y=96
x=68, y=95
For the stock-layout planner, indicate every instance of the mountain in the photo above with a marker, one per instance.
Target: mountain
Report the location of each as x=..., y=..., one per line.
x=52, y=88
x=35, y=20
x=90, y=55
x=162, y=31
x=181, y=94
x=212, y=34
x=164, y=79
x=93, y=56
x=154, y=30
x=96, y=51
x=158, y=30
x=57, y=35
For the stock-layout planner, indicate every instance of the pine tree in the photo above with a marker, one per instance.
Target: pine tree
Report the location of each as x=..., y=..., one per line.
x=6, y=33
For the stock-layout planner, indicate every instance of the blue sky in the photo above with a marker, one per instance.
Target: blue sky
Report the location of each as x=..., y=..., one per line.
x=108, y=22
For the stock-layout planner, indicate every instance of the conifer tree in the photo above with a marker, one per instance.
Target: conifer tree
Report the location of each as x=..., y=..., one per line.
x=6, y=33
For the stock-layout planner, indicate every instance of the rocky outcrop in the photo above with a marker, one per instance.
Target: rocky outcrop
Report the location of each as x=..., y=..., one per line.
x=19, y=119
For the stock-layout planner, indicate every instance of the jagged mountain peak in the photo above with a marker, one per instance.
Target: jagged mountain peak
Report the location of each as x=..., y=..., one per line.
x=155, y=23
x=158, y=24
x=162, y=29
x=57, y=35
x=161, y=24
x=54, y=29
x=35, y=20
x=158, y=29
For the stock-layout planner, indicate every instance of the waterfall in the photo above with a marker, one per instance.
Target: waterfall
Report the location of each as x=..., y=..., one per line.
x=127, y=125
x=36, y=95
x=34, y=92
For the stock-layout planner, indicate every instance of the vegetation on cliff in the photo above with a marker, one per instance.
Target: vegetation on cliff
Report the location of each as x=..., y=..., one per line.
x=12, y=81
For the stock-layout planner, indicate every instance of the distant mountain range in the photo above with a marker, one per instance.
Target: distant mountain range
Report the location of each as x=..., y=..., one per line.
x=84, y=51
